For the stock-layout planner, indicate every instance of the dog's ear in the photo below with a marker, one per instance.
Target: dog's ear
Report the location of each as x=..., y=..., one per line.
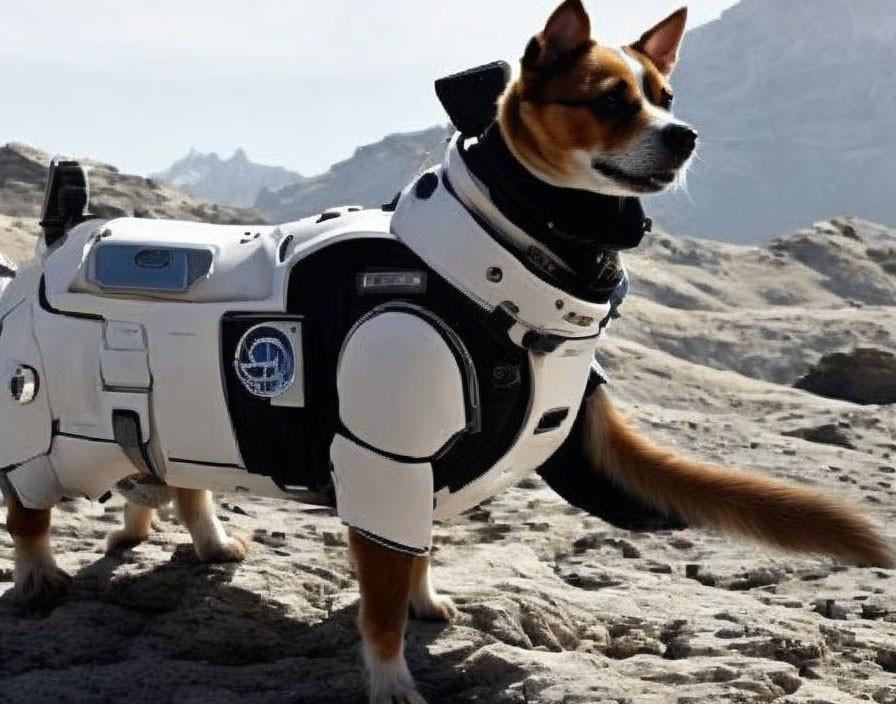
x=660, y=43
x=567, y=31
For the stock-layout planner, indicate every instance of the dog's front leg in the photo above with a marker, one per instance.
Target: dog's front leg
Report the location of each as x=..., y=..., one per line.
x=39, y=582
x=384, y=576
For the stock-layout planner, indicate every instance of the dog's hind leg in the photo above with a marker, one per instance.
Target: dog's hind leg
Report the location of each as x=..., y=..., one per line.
x=39, y=582
x=137, y=524
x=385, y=578
x=196, y=508
x=426, y=603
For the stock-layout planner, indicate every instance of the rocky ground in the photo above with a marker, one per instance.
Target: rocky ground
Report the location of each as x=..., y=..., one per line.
x=554, y=606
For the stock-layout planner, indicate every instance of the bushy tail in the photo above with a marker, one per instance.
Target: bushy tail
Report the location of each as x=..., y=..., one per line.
x=775, y=512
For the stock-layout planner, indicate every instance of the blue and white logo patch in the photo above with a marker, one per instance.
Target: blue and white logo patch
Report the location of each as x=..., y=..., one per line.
x=265, y=361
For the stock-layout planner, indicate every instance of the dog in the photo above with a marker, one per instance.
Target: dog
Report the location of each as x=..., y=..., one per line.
x=578, y=117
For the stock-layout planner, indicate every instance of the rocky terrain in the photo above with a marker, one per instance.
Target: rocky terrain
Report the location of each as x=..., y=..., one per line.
x=235, y=181
x=554, y=606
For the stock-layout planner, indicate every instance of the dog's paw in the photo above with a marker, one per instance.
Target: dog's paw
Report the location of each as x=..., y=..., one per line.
x=41, y=585
x=434, y=608
x=234, y=549
x=391, y=683
x=119, y=540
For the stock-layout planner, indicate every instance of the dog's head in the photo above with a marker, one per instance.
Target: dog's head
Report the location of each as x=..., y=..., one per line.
x=585, y=116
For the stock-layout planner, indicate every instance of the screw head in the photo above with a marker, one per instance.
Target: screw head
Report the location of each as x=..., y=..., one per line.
x=494, y=274
x=23, y=385
x=559, y=304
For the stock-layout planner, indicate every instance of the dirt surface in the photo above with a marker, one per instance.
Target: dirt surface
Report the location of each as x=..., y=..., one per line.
x=554, y=606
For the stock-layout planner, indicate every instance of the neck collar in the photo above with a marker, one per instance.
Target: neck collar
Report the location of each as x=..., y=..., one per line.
x=446, y=219
x=571, y=236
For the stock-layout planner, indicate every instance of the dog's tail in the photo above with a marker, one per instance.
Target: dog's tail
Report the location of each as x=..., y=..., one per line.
x=775, y=512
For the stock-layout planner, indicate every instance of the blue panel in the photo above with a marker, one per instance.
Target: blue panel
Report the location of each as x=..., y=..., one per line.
x=143, y=268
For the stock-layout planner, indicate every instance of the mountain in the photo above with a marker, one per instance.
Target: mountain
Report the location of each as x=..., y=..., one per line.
x=234, y=181
x=370, y=177
x=795, y=104
x=23, y=174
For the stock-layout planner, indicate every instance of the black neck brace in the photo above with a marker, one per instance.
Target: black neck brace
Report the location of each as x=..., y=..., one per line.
x=584, y=230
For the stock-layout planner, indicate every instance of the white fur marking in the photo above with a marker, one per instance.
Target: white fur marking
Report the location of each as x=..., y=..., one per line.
x=391, y=681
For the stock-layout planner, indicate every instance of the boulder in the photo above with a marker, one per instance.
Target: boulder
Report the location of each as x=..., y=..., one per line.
x=865, y=375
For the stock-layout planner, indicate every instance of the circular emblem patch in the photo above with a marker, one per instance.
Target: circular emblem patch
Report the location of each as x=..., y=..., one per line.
x=265, y=361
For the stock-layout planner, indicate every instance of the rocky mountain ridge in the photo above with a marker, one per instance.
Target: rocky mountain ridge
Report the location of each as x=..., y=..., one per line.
x=794, y=114
x=370, y=177
x=236, y=181
x=795, y=118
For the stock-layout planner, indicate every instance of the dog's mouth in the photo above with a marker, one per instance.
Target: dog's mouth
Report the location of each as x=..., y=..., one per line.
x=645, y=183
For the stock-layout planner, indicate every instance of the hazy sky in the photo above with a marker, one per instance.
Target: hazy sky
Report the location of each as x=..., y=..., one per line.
x=299, y=84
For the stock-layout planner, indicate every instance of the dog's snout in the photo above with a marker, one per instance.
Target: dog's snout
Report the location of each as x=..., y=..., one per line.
x=680, y=139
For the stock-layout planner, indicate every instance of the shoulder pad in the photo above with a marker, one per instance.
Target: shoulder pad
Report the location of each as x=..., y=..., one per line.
x=401, y=382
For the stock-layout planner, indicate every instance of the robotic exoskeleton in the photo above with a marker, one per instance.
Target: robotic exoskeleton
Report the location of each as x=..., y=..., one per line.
x=403, y=363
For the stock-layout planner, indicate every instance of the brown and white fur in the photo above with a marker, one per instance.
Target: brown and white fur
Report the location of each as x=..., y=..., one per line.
x=584, y=116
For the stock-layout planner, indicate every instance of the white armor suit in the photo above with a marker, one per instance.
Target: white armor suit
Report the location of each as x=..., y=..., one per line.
x=403, y=364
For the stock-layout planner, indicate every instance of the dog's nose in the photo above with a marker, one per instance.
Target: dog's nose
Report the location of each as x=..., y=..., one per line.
x=680, y=139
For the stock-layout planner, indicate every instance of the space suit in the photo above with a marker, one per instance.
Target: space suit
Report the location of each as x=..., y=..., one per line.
x=402, y=364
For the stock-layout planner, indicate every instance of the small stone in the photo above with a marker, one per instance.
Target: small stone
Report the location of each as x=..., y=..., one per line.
x=658, y=568
x=680, y=543
x=829, y=608
x=480, y=515
x=587, y=542
x=630, y=551
x=873, y=610
x=333, y=540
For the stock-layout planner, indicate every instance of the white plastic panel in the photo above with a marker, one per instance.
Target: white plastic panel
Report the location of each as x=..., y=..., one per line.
x=240, y=269
x=25, y=430
x=125, y=369
x=88, y=468
x=189, y=407
x=36, y=484
x=227, y=480
x=119, y=335
x=390, y=500
x=400, y=386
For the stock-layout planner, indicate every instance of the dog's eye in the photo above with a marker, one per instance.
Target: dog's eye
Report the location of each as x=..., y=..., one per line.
x=608, y=101
x=612, y=102
x=666, y=99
